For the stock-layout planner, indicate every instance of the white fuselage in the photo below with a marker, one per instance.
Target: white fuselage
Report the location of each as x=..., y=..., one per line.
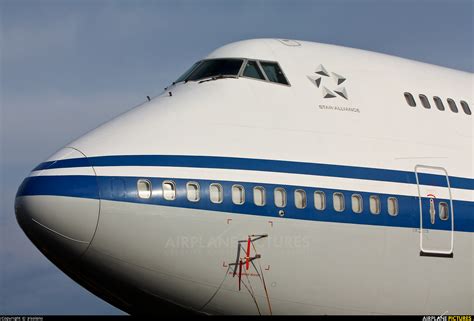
x=83, y=210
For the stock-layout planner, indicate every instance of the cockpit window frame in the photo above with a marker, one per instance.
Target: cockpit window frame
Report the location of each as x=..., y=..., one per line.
x=213, y=59
x=278, y=64
x=187, y=72
x=263, y=71
x=241, y=74
x=242, y=69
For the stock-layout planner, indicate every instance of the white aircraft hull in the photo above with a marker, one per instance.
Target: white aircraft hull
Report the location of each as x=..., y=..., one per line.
x=309, y=267
x=83, y=208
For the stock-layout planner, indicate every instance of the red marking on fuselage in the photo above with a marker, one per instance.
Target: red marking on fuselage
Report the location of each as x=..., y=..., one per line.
x=247, y=258
x=431, y=195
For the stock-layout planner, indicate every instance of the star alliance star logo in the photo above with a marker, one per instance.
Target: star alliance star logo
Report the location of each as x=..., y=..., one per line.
x=322, y=75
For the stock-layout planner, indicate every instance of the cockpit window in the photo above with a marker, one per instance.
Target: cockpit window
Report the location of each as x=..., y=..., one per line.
x=252, y=70
x=273, y=72
x=186, y=74
x=215, y=68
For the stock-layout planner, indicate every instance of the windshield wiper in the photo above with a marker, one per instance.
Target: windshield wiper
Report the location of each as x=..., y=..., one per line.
x=216, y=77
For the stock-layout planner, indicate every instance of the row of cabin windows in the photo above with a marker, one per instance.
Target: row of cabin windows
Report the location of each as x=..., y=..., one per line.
x=438, y=102
x=216, y=196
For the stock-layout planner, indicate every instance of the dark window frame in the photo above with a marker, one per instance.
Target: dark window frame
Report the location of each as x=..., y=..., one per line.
x=220, y=194
x=259, y=70
x=452, y=105
x=322, y=195
x=360, y=199
x=378, y=203
x=187, y=72
x=241, y=188
x=395, y=205
x=283, y=194
x=141, y=193
x=439, y=103
x=304, y=202
x=342, y=199
x=244, y=61
x=424, y=101
x=198, y=191
x=409, y=99
x=444, y=205
x=174, y=190
x=264, y=196
x=197, y=70
x=466, y=108
x=286, y=83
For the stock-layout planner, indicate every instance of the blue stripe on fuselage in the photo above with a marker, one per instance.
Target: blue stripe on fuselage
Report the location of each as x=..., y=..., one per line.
x=265, y=165
x=68, y=185
x=124, y=189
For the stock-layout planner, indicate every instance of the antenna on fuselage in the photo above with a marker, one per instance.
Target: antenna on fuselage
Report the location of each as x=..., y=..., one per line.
x=148, y=97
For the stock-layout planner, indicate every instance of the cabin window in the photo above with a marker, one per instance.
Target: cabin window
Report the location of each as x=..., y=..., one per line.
x=252, y=70
x=280, y=197
x=300, y=198
x=144, y=188
x=374, y=204
x=192, y=191
x=274, y=72
x=443, y=211
x=259, y=195
x=215, y=68
x=424, y=101
x=410, y=100
x=338, y=201
x=319, y=200
x=392, y=205
x=452, y=105
x=465, y=107
x=169, y=190
x=238, y=194
x=357, y=203
x=439, y=103
x=216, y=193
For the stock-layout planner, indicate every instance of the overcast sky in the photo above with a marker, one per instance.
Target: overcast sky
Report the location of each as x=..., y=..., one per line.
x=67, y=66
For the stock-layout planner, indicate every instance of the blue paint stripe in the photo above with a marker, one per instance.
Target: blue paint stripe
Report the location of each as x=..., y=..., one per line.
x=265, y=165
x=123, y=189
x=74, y=186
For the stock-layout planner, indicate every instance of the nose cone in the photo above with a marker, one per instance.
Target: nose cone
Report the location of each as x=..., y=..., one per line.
x=57, y=206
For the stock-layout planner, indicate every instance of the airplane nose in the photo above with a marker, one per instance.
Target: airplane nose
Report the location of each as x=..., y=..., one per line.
x=57, y=206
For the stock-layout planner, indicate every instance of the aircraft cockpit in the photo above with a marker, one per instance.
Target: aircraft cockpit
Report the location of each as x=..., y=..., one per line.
x=220, y=68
